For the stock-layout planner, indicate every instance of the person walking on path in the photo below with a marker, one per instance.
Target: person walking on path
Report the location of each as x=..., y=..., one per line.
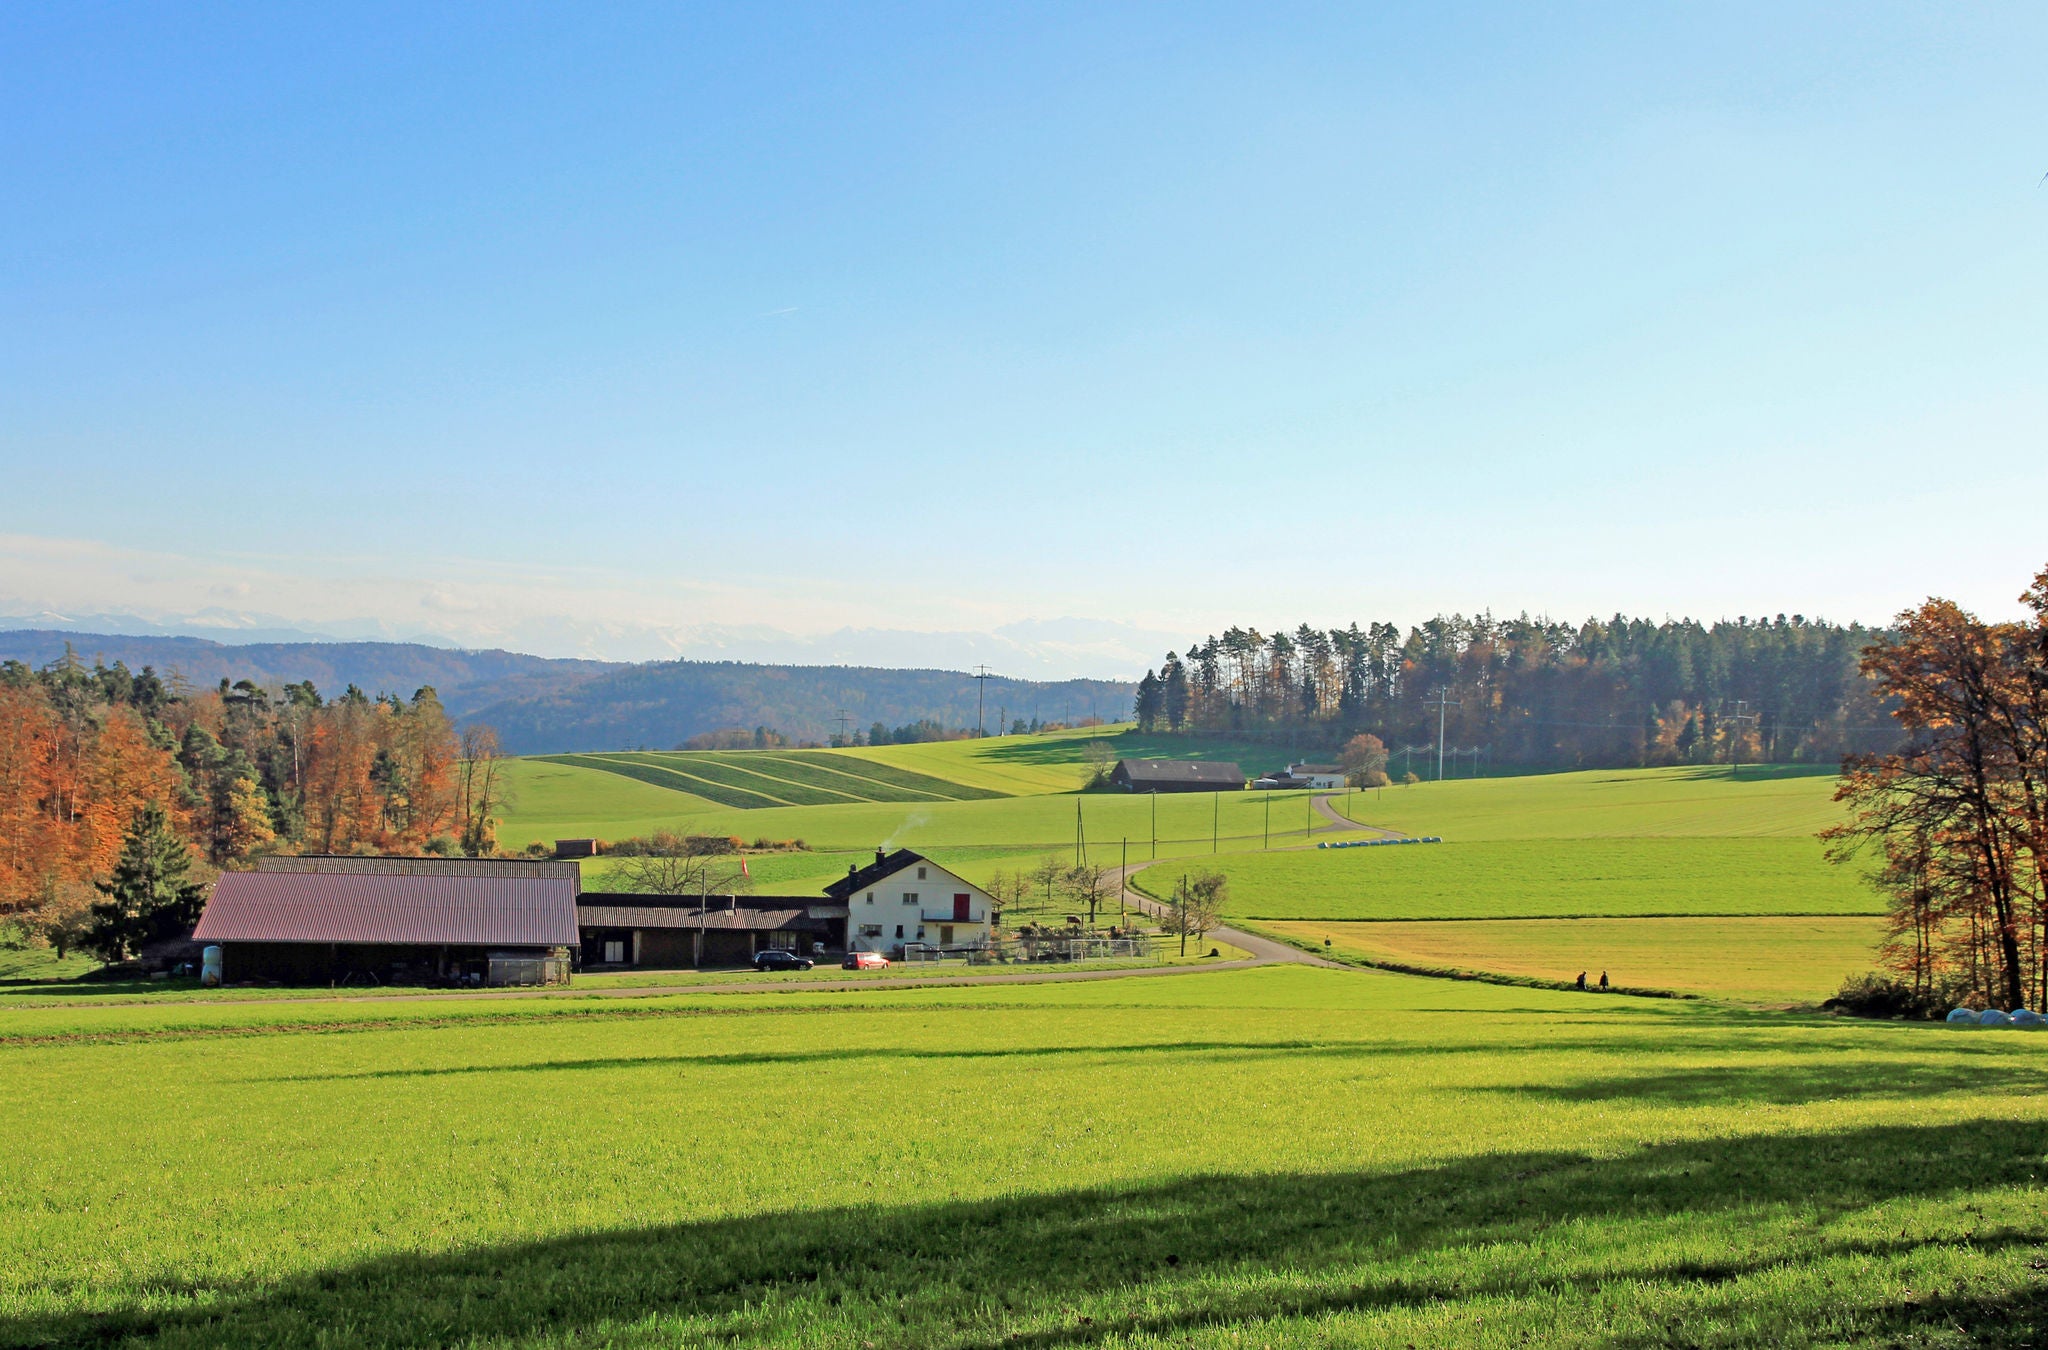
x=1603, y=979
x=1582, y=979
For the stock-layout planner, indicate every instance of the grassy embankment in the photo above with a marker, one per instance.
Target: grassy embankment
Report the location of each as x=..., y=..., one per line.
x=1683, y=879
x=1278, y=1157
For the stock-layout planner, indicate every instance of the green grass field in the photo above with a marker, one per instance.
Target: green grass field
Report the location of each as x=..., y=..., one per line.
x=1762, y=960
x=1539, y=878
x=1760, y=801
x=1269, y=1157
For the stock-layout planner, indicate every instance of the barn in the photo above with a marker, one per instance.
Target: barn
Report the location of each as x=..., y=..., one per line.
x=667, y=932
x=347, y=920
x=1176, y=775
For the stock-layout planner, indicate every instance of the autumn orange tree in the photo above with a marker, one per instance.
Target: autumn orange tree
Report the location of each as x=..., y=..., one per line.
x=1957, y=818
x=235, y=771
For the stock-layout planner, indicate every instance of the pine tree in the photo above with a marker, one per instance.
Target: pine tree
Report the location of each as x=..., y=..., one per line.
x=151, y=895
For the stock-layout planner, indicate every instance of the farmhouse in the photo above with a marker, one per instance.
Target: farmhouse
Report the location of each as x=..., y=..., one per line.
x=318, y=920
x=1176, y=775
x=903, y=902
x=630, y=928
x=1320, y=777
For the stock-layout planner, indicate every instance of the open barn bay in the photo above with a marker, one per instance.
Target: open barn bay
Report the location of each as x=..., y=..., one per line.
x=1272, y=1156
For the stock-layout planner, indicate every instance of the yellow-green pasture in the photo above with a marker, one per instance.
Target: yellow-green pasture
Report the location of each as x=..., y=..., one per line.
x=1772, y=960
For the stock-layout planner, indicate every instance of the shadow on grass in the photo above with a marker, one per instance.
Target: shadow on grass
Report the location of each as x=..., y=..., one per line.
x=1563, y=1231
x=1809, y=1080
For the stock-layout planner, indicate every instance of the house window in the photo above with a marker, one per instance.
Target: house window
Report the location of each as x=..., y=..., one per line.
x=910, y=897
x=871, y=897
x=920, y=874
x=871, y=930
x=614, y=952
x=899, y=930
x=920, y=932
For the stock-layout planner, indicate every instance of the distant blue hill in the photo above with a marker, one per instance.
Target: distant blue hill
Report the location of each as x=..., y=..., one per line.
x=543, y=705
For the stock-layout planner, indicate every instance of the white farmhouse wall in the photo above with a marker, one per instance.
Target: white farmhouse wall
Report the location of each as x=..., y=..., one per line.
x=918, y=901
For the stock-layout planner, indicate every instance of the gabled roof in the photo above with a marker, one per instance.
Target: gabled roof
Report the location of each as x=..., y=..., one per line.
x=1179, y=771
x=391, y=907
x=884, y=866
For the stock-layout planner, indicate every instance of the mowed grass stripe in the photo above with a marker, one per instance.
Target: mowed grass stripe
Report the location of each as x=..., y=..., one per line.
x=670, y=778
x=834, y=780
x=874, y=771
x=727, y=769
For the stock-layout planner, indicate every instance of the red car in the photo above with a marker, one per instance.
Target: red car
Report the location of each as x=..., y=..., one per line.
x=864, y=961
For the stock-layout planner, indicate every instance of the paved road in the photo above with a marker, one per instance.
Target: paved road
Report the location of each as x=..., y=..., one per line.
x=1264, y=951
x=882, y=984
x=1342, y=822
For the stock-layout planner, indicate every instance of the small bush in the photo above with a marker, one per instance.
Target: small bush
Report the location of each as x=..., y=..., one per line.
x=1877, y=995
x=444, y=846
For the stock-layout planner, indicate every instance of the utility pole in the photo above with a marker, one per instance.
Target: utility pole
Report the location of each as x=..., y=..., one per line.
x=1444, y=702
x=1268, y=843
x=981, y=678
x=1123, y=879
x=842, y=719
x=1215, y=818
x=1154, y=795
x=1738, y=717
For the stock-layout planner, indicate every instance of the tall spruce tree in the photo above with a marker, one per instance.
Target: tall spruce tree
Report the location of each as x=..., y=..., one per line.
x=151, y=895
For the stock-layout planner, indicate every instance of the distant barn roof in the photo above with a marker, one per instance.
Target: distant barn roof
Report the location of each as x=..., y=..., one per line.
x=389, y=905
x=1180, y=771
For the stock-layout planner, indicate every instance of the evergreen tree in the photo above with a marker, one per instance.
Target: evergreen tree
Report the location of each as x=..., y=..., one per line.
x=151, y=895
x=1151, y=702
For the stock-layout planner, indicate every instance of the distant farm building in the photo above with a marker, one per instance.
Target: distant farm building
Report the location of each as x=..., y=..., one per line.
x=1320, y=777
x=1176, y=775
x=671, y=932
x=566, y=849
x=346, y=920
x=904, y=903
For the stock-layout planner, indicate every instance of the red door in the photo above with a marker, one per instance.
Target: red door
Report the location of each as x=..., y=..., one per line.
x=960, y=909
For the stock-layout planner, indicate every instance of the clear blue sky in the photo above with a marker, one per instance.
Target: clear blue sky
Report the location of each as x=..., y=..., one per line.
x=950, y=316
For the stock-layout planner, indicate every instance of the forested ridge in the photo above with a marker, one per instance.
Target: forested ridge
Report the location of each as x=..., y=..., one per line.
x=1531, y=693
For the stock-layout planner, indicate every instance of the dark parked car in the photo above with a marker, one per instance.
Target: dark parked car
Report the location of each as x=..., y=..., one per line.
x=773, y=960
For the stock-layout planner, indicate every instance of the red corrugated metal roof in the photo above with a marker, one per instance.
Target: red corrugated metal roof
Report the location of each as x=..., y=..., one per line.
x=334, y=907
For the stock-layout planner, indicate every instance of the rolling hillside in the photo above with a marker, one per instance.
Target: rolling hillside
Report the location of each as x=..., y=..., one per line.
x=662, y=704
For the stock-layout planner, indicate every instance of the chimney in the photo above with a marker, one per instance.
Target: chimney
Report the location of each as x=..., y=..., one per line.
x=851, y=869
x=878, y=857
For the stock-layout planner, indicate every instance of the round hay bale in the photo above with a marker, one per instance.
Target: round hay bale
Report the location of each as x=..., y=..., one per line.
x=2027, y=1017
x=1992, y=1017
x=1958, y=1016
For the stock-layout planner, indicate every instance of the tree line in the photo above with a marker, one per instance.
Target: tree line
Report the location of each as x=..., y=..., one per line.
x=1954, y=822
x=100, y=763
x=1531, y=693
